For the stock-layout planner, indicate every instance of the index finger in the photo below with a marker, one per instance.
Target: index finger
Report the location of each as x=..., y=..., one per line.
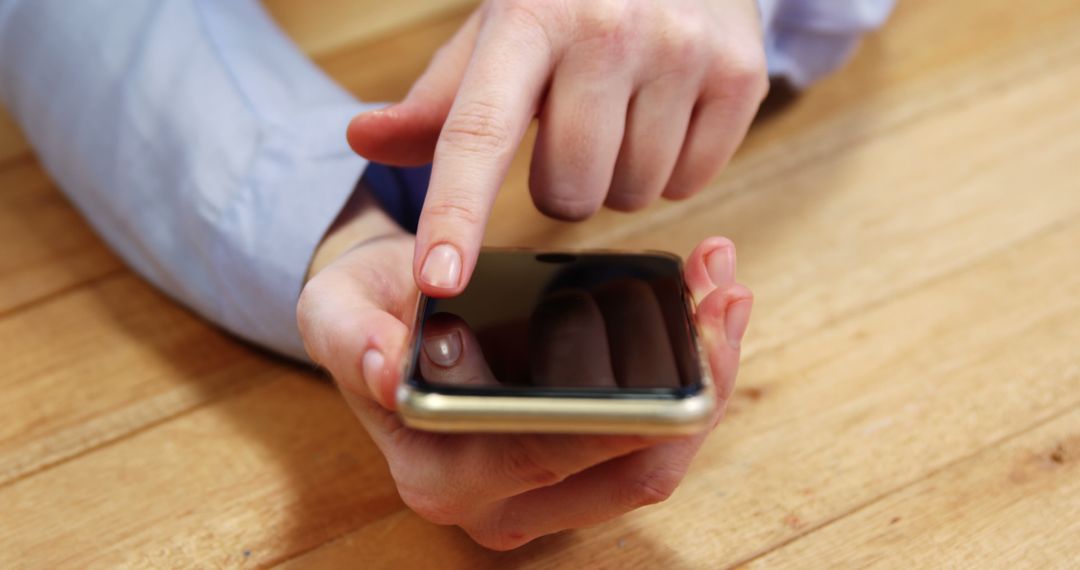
x=494, y=105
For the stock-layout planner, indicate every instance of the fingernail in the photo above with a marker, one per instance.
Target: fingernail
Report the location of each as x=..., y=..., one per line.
x=721, y=266
x=444, y=349
x=442, y=268
x=736, y=320
x=389, y=111
x=372, y=367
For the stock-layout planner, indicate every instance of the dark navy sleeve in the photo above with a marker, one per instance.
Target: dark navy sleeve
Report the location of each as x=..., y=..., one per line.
x=400, y=191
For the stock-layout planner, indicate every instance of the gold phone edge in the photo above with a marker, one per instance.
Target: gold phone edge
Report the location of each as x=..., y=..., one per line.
x=509, y=414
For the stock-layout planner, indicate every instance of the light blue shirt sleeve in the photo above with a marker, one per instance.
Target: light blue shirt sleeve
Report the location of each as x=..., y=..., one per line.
x=208, y=151
x=806, y=39
x=199, y=142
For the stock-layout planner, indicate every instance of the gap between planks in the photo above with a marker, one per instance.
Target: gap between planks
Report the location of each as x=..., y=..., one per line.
x=1071, y=407
x=65, y=291
x=138, y=429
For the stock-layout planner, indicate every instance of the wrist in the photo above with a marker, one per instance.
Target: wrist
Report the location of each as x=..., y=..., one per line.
x=360, y=220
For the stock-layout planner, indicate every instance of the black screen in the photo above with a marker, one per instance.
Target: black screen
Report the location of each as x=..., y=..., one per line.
x=556, y=324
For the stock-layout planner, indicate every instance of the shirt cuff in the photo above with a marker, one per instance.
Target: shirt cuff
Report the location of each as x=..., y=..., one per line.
x=807, y=39
x=399, y=191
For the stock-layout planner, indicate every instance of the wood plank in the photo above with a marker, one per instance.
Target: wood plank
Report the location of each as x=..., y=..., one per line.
x=1014, y=505
x=45, y=246
x=844, y=232
x=936, y=375
x=384, y=70
x=104, y=361
x=925, y=52
x=320, y=28
x=831, y=422
x=273, y=471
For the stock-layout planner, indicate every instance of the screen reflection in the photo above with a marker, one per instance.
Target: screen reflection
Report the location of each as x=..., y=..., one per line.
x=583, y=322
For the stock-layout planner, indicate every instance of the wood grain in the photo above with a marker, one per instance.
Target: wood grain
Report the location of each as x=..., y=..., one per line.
x=837, y=420
x=1012, y=505
x=45, y=247
x=813, y=203
x=910, y=387
x=108, y=359
x=896, y=78
x=383, y=70
x=264, y=475
x=327, y=26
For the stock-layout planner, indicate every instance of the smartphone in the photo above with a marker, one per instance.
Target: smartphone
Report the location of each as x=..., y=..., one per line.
x=560, y=342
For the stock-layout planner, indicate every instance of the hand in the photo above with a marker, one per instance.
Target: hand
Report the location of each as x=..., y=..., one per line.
x=504, y=490
x=637, y=99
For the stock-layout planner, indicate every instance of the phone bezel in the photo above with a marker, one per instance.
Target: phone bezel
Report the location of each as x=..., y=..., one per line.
x=657, y=411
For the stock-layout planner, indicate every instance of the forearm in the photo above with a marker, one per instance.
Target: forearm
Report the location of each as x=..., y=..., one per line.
x=197, y=140
x=361, y=220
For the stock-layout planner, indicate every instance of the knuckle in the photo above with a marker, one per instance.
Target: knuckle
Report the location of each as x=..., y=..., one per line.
x=498, y=531
x=305, y=310
x=681, y=40
x=604, y=16
x=523, y=12
x=679, y=51
x=478, y=128
x=445, y=52
x=522, y=463
x=653, y=487
x=309, y=321
x=434, y=507
x=571, y=207
x=529, y=19
x=682, y=190
x=499, y=540
x=611, y=446
x=503, y=541
x=746, y=73
x=628, y=201
x=608, y=23
x=453, y=210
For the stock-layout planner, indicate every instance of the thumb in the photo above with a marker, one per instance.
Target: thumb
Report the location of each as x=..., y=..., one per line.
x=404, y=134
x=352, y=317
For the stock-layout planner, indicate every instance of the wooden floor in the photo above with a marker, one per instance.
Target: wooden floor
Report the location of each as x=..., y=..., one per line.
x=910, y=394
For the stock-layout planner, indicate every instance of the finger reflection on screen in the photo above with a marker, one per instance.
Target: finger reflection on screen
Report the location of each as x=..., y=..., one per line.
x=451, y=355
x=568, y=344
x=642, y=356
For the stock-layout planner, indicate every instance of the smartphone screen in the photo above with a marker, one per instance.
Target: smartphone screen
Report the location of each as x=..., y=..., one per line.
x=558, y=324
